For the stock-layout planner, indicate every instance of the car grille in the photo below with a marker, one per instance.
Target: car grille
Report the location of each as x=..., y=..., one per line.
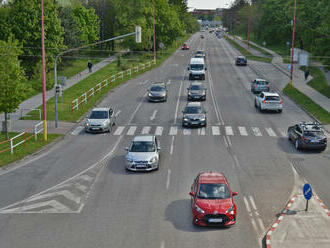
x=224, y=218
x=95, y=125
x=141, y=162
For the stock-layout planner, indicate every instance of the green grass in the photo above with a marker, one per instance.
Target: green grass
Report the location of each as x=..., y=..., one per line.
x=319, y=81
x=306, y=103
x=264, y=52
x=246, y=53
x=64, y=111
x=22, y=150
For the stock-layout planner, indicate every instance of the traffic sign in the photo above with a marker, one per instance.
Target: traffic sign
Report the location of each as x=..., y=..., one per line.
x=307, y=191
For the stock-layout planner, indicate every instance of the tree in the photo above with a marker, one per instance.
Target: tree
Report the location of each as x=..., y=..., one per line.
x=11, y=77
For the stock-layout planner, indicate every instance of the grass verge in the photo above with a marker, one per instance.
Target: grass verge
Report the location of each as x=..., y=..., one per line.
x=319, y=81
x=23, y=150
x=246, y=53
x=306, y=103
x=264, y=52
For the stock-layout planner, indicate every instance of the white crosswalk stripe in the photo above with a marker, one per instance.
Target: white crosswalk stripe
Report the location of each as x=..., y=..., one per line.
x=282, y=132
x=146, y=130
x=242, y=131
x=119, y=130
x=131, y=130
x=201, y=131
x=270, y=132
x=173, y=131
x=229, y=130
x=256, y=131
x=159, y=131
x=186, y=131
x=215, y=130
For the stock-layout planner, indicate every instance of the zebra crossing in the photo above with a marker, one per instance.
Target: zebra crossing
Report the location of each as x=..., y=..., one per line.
x=208, y=131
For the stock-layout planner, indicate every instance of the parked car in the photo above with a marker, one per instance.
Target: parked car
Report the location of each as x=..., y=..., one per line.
x=259, y=85
x=143, y=154
x=194, y=114
x=185, y=47
x=196, y=91
x=241, y=60
x=268, y=101
x=100, y=120
x=157, y=92
x=212, y=200
x=307, y=135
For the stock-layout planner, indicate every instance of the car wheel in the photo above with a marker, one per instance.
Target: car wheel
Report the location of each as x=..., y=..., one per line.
x=280, y=110
x=322, y=149
x=296, y=144
x=260, y=109
x=255, y=104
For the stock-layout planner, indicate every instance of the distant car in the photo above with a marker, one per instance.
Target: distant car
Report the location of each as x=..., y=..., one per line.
x=157, y=92
x=202, y=36
x=241, y=60
x=212, y=200
x=194, y=114
x=100, y=120
x=185, y=47
x=200, y=54
x=307, y=135
x=143, y=154
x=196, y=91
x=259, y=85
x=268, y=101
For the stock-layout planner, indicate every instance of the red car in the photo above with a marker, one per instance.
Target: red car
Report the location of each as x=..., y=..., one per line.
x=212, y=200
x=185, y=47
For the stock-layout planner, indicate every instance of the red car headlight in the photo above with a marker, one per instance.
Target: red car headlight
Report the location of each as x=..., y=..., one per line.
x=230, y=210
x=199, y=210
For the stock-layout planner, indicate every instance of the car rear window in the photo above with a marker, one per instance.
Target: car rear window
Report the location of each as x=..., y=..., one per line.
x=262, y=83
x=313, y=133
x=272, y=98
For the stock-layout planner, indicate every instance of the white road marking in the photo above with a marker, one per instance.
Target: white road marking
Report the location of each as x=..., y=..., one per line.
x=137, y=108
x=77, y=130
x=119, y=130
x=261, y=224
x=162, y=244
x=270, y=132
x=228, y=140
x=201, y=131
x=229, y=130
x=81, y=187
x=168, y=178
x=86, y=178
x=243, y=131
x=177, y=104
x=282, y=132
x=144, y=82
x=253, y=203
x=215, y=130
x=55, y=206
x=131, y=130
x=186, y=131
x=172, y=145
x=256, y=131
x=159, y=131
x=254, y=225
x=248, y=209
x=173, y=131
x=169, y=82
x=146, y=130
x=118, y=112
x=225, y=140
x=66, y=193
x=153, y=116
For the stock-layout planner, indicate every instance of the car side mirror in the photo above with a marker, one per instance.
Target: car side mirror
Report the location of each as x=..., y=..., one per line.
x=126, y=148
x=205, y=69
x=159, y=148
x=192, y=193
x=235, y=193
x=188, y=68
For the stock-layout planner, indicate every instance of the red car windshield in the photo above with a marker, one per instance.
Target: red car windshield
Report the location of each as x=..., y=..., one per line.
x=213, y=191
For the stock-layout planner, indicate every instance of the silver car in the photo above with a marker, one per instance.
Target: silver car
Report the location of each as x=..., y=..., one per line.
x=143, y=154
x=100, y=120
x=259, y=85
x=157, y=92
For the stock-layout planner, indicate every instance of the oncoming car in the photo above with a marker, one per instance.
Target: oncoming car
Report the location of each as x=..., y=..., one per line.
x=185, y=47
x=194, y=114
x=100, y=120
x=143, y=154
x=212, y=200
x=157, y=92
x=241, y=60
x=196, y=91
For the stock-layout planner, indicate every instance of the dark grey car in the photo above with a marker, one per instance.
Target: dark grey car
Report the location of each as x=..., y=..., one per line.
x=194, y=115
x=197, y=92
x=157, y=92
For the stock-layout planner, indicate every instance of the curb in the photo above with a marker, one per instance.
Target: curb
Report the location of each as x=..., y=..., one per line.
x=325, y=208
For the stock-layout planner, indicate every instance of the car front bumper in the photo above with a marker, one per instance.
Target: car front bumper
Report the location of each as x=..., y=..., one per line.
x=213, y=220
x=193, y=123
x=156, y=98
x=142, y=167
x=196, y=97
x=96, y=129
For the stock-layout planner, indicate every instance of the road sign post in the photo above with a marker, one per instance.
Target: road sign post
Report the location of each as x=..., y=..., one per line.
x=307, y=190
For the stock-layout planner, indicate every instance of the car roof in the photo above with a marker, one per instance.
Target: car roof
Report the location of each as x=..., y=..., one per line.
x=144, y=138
x=311, y=126
x=241, y=57
x=101, y=109
x=196, y=61
x=212, y=177
x=271, y=94
x=200, y=51
x=260, y=79
x=194, y=104
x=196, y=83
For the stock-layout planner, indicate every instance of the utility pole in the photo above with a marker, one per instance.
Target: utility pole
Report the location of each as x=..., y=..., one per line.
x=292, y=49
x=249, y=24
x=44, y=109
x=154, y=31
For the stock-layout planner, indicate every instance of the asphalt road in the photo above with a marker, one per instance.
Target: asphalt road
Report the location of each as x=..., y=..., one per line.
x=78, y=193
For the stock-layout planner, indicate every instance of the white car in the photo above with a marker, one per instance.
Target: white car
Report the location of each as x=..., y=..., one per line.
x=268, y=101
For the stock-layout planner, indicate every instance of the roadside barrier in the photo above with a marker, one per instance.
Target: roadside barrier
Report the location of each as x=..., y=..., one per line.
x=21, y=138
x=83, y=98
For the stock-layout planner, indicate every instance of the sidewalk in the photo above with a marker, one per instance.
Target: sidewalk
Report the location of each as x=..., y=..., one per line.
x=63, y=127
x=251, y=49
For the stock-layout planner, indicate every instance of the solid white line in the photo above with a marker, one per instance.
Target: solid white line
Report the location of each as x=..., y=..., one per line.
x=159, y=131
x=77, y=130
x=261, y=224
x=137, y=108
x=243, y=131
x=254, y=225
x=215, y=130
x=168, y=178
x=228, y=139
x=169, y=82
x=119, y=130
x=153, y=116
x=201, y=131
x=146, y=130
x=162, y=244
x=270, y=132
x=256, y=131
x=131, y=130
x=229, y=130
x=253, y=203
x=177, y=104
x=247, y=205
x=225, y=140
x=172, y=145
x=173, y=131
x=118, y=112
x=186, y=131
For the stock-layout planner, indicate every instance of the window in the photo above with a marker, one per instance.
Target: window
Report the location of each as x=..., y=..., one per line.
x=213, y=191
x=143, y=146
x=99, y=115
x=272, y=98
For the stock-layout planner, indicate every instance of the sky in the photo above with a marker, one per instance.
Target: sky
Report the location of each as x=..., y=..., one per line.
x=209, y=4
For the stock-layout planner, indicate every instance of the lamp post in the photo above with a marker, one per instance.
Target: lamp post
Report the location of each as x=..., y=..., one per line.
x=292, y=49
x=153, y=27
x=44, y=109
x=249, y=24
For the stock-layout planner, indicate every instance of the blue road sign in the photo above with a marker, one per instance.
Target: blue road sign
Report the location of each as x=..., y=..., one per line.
x=307, y=191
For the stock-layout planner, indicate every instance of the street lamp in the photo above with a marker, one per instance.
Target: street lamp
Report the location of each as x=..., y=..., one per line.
x=153, y=27
x=292, y=49
x=249, y=23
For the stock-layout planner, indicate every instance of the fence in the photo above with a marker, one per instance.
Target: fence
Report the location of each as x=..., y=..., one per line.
x=21, y=138
x=83, y=98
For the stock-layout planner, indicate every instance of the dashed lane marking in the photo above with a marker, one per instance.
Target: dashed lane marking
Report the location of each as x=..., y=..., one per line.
x=270, y=132
x=256, y=131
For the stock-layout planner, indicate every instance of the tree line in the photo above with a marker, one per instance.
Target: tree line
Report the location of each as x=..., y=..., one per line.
x=271, y=21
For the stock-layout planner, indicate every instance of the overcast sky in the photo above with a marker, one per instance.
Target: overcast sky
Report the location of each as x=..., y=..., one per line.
x=208, y=4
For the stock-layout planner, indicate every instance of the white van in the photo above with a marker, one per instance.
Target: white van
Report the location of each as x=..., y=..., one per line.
x=197, y=69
